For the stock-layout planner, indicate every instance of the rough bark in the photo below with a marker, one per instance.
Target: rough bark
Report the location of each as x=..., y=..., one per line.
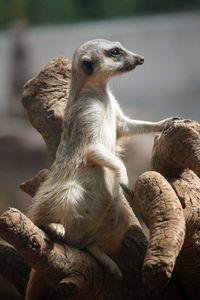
x=30, y=186
x=49, y=257
x=45, y=98
x=75, y=273
x=164, y=216
x=170, y=206
x=161, y=198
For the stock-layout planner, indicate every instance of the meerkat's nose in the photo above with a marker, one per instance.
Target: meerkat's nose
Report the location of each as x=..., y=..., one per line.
x=140, y=60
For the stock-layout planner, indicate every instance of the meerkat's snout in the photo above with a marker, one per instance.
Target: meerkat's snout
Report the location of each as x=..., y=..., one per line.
x=130, y=61
x=140, y=60
x=136, y=59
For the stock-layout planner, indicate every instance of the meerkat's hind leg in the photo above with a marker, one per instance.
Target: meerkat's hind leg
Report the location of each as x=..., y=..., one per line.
x=104, y=259
x=56, y=229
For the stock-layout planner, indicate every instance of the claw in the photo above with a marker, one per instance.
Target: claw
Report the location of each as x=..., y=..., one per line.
x=167, y=121
x=176, y=118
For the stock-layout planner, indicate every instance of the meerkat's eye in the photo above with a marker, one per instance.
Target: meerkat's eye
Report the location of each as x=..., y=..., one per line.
x=114, y=52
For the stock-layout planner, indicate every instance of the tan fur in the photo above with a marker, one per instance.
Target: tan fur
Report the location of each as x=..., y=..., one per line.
x=81, y=200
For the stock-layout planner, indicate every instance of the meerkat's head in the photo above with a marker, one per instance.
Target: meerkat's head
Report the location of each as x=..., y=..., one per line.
x=101, y=57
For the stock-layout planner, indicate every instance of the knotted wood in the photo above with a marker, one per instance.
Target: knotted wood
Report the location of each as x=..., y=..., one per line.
x=169, y=201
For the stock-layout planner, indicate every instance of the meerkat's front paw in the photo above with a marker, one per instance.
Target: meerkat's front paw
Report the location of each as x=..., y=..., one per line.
x=165, y=122
x=122, y=176
x=56, y=229
x=172, y=119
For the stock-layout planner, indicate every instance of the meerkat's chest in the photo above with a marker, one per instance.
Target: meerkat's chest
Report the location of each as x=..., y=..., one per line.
x=109, y=129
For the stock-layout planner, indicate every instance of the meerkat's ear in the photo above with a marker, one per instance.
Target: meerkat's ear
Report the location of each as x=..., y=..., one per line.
x=87, y=65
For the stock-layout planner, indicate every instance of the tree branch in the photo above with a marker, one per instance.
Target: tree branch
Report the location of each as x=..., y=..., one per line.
x=163, y=213
x=45, y=98
x=31, y=185
x=170, y=206
x=55, y=260
x=71, y=271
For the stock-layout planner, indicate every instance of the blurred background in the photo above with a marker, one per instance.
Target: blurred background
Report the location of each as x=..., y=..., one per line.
x=167, y=33
x=32, y=32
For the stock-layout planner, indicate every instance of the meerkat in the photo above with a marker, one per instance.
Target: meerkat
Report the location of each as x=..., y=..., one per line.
x=81, y=200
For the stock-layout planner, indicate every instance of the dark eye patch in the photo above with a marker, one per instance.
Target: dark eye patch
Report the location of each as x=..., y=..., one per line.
x=114, y=52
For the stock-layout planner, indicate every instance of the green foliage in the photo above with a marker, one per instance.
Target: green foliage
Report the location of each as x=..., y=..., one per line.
x=60, y=11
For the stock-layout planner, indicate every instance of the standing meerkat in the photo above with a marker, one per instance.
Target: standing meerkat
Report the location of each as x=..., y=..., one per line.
x=81, y=200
